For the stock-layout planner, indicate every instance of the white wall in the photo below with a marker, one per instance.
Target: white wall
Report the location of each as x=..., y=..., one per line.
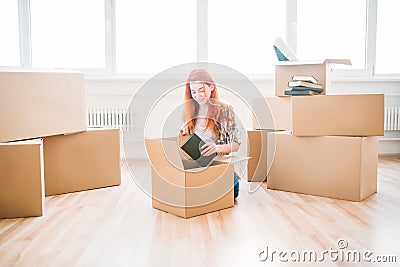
x=118, y=92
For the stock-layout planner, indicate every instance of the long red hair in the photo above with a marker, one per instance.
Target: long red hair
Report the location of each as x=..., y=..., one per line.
x=192, y=107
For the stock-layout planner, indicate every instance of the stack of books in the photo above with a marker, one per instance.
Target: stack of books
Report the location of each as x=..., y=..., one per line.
x=304, y=85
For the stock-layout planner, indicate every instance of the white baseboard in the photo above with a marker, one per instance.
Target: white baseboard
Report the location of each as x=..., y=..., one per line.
x=389, y=146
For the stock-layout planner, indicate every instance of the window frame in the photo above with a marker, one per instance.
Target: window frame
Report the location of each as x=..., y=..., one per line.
x=24, y=18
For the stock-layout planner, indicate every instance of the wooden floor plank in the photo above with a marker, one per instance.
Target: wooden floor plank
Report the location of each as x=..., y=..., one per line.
x=116, y=226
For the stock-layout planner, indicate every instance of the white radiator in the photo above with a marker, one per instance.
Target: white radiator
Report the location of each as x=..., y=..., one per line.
x=119, y=118
x=392, y=122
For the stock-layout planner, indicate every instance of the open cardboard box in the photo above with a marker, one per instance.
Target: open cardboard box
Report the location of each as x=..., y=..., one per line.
x=21, y=179
x=39, y=103
x=182, y=188
x=320, y=70
x=339, y=167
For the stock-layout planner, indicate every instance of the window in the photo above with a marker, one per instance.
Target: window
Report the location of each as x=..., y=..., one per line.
x=332, y=29
x=387, y=41
x=154, y=35
x=68, y=34
x=242, y=33
x=145, y=37
x=9, y=32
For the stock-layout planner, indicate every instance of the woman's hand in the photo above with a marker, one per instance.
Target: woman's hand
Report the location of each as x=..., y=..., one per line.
x=225, y=149
x=209, y=149
x=183, y=133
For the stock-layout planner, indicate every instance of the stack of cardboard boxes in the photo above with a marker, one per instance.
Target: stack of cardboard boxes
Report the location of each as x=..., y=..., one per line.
x=329, y=147
x=45, y=148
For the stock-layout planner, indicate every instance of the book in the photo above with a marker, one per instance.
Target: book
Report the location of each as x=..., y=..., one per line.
x=192, y=147
x=302, y=92
x=283, y=51
x=304, y=78
x=305, y=84
x=305, y=88
x=279, y=54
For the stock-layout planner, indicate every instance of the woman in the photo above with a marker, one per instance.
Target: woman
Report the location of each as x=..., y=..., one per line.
x=212, y=120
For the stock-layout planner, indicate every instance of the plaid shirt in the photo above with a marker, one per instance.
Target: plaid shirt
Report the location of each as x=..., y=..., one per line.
x=228, y=132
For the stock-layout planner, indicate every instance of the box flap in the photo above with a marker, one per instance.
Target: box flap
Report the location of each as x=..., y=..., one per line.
x=231, y=159
x=338, y=61
x=313, y=62
x=160, y=150
x=37, y=141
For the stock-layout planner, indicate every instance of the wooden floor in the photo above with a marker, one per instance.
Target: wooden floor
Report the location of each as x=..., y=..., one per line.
x=117, y=226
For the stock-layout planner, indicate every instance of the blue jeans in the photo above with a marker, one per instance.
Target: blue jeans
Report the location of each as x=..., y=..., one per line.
x=236, y=185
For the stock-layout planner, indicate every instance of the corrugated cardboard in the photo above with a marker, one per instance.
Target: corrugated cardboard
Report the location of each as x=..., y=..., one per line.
x=350, y=115
x=273, y=113
x=21, y=179
x=41, y=103
x=320, y=70
x=82, y=161
x=179, y=187
x=257, y=150
x=329, y=166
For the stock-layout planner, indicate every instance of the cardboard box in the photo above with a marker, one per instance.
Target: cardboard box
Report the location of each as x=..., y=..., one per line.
x=350, y=115
x=320, y=70
x=273, y=113
x=182, y=188
x=21, y=179
x=41, y=103
x=257, y=168
x=82, y=161
x=329, y=166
